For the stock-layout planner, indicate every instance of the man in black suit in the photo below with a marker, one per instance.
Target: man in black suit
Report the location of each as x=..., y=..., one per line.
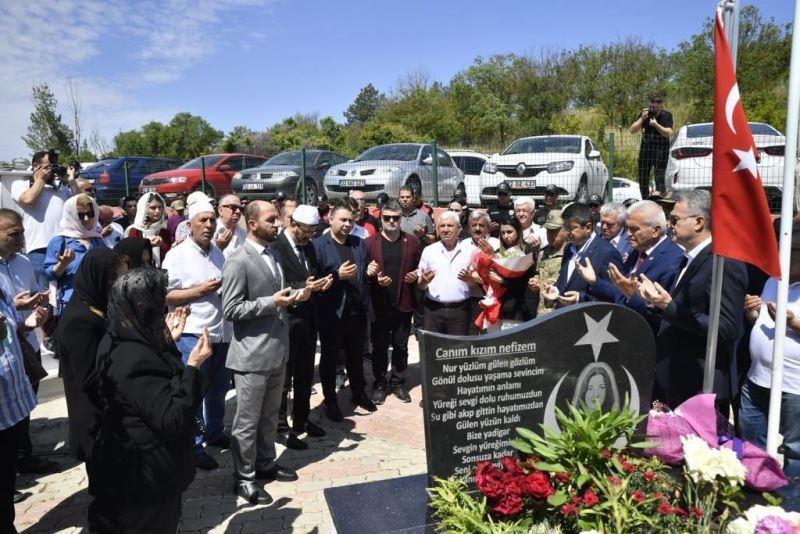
x=681, y=340
x=295, y=254
x=585, y=247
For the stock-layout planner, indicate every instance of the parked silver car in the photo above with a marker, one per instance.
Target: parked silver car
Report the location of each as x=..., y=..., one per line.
x=384, y=168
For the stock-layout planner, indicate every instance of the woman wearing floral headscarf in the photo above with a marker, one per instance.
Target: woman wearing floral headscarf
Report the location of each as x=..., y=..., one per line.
x=78, y=233
x=151, y=224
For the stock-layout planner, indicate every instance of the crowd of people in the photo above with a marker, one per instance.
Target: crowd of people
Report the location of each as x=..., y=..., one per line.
x=155, y=315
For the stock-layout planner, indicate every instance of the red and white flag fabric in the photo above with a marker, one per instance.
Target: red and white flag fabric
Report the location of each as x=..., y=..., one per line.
x=741, y=221
x=507, y=266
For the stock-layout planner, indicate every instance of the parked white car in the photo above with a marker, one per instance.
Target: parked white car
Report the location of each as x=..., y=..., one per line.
x=690, y=158
x=625, y=189
x=471, y=163
x=529, y=165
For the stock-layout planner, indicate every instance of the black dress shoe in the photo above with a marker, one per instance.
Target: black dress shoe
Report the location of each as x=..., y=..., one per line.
x=379, y=395
x=206, y=462
x=400, y=391
x=20, y=496
x=277, y=472
x=333, y=412
x=314, y=430
x=34, y=464
x=223, y=442
x=293, y=442
x=364, y=402
x=250, y=492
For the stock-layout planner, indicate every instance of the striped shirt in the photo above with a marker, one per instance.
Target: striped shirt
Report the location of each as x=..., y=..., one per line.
x=17, y=398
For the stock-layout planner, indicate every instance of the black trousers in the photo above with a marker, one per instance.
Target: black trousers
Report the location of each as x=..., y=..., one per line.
x=114, y=516
x=346, y=334
x=392, y=328
x=9, y=443
x=451, y=319
x=25, y=444
x=299, y=372
x=652, y=157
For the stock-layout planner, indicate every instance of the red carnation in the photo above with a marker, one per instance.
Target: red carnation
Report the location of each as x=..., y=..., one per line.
x=638, y=495
x=576, y=500
x=509, y=504
x=657, y=495
x=664, y=508
x=569, y=509
x=562, y=476
x=696, y=512
x=606, y=453
x=511, y=465
x=489, y=479
x=677, y=510
x=627, y=466
x=538, y=485
x=650, y=476
x=615, y=480
x=590, y=498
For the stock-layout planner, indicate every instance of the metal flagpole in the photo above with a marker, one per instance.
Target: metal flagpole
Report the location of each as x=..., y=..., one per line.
x=790, y=161
x=730, y=18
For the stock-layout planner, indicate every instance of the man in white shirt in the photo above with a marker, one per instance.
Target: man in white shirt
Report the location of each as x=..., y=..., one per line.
x=41, y=200
x=533, y=234
x=229, y=235
x=195, y=278
x=112, y=231
x=444, y=272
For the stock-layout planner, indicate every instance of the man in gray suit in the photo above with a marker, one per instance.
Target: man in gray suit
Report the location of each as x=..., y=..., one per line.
x=254, y=299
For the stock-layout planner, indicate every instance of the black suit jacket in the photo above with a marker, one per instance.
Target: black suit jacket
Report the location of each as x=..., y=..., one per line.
x=681, y=341
x=295, y=273
x=330, y=304
x=600, y=253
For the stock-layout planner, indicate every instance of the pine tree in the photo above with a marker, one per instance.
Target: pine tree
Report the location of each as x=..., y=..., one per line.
x=46, y=129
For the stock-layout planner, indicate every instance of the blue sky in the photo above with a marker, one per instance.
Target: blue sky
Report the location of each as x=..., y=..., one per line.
x=255, y=62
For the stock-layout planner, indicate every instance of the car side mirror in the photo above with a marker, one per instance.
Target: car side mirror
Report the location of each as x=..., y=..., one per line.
x=594, y=154
x=427, y=160
x=224, y=168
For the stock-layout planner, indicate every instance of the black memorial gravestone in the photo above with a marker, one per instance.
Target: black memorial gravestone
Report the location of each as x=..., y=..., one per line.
x=477, y=390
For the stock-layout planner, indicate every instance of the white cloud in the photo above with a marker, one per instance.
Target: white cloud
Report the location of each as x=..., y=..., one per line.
x=156, y=42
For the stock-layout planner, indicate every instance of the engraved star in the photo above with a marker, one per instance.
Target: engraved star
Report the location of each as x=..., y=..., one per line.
x=597, y=334
x=747, y=160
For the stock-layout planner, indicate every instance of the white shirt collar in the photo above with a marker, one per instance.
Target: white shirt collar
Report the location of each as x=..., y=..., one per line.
x=692, y=254
x=651, y=249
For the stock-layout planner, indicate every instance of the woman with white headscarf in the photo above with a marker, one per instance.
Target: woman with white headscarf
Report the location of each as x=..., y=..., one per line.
x=78, y=233
x=151, y=224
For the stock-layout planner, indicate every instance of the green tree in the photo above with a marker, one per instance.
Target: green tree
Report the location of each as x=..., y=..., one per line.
x=188, y=136
x=46, y=129
x=366, y=106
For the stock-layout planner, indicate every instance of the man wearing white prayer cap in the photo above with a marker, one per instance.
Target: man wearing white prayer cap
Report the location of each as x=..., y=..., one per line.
x=194, y=268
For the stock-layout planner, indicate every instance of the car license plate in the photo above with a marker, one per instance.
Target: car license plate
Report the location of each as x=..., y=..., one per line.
x=522, y=184
x=252, y=187
x=150, y=189
x=352, y=183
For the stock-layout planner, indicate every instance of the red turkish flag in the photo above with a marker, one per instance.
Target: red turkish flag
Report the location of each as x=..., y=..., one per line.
x=740, y=218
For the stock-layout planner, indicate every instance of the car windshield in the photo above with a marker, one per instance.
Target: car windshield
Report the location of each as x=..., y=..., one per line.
x=197, y=164
x=287, y=158
x=707, y=129
x=390, y=152
x=103, y=163
x=533, y=145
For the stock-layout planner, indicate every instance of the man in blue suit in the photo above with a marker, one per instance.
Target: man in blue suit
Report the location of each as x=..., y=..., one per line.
x=654, y=255
x=613, y=218
x=344, y=310
x=585, y=247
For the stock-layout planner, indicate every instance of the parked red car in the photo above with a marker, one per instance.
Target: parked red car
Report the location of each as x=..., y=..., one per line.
x=219, y=169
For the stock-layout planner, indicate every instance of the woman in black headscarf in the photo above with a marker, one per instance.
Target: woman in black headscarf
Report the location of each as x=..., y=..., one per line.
x=135, y=251
x=80, y=329
x=143, y=458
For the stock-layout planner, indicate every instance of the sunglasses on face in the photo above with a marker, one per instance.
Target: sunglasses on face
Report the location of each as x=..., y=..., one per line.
x=86, y=215
x=391, y=218
x=656, y=101
x=232, y=207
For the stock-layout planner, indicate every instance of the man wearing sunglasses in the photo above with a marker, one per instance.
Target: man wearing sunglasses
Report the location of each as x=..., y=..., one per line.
x=394, y=257
x=229, y=235
x=655, y=123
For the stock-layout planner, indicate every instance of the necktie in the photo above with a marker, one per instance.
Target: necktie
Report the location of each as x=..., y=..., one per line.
x=642, y=257
x=681, y=267
x=302, y=255
x=273, y=266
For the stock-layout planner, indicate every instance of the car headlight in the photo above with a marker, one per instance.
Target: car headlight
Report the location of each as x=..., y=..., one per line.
x=388, y=170
x=283, y=174
x=176, y=180
x=489, y=167
x=237, y=176
x=331, y=172
x=560, y=166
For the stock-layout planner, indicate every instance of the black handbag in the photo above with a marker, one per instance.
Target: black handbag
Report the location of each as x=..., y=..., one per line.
x=33, y=365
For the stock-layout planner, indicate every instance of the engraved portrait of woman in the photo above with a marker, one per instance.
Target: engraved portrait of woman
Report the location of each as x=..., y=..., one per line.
x=596, y=386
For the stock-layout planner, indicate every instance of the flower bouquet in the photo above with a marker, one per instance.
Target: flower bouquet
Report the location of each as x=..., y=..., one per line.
x=510, y=263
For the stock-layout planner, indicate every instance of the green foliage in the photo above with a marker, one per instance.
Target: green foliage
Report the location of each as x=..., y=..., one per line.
x=185, y=137
x=366, y=106
x=46, y=129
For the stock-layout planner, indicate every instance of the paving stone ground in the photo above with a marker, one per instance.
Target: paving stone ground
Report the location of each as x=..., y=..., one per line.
x=365, y=447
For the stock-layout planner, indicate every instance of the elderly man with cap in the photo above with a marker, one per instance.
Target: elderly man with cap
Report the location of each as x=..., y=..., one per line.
x=179, y=208
x=229, y=235
x=298, y=261
x=503, y=211
x=194, y=268
x=549, y=263
x=550, y=203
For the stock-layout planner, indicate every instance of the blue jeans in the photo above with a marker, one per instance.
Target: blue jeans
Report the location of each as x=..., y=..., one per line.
x=212, y=411
x=753, y=414
x=36, y=258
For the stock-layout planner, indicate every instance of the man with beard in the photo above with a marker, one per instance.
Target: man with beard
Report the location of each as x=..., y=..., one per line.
x=298, y=261
x=346, y=308
x=128, y=205
x=255, y=298
x=195, y=276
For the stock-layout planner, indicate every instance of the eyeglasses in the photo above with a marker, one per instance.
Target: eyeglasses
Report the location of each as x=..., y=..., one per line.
x=86, y=215
x=656, y=101
x=674, y=219
x=232, y=207
x=391, y=218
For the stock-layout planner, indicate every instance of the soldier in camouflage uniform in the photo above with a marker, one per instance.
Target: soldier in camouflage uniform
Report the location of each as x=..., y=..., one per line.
x=549, y=262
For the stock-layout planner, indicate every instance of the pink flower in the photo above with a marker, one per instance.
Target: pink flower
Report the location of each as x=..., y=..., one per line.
x=590, y=498
x=638, y=496
x=568, y=510
x=650, y=476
